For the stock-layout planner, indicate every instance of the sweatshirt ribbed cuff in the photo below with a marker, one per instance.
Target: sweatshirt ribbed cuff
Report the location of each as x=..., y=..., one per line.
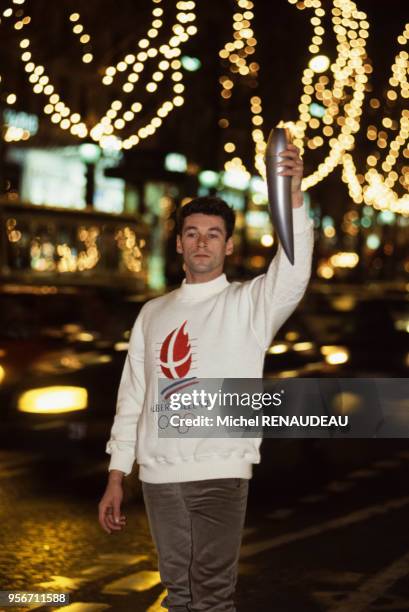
x=301, y=221
x=121, y=462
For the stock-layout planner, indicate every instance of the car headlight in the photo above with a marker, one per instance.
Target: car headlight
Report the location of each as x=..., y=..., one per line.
x=53, y=400
x=335, y=355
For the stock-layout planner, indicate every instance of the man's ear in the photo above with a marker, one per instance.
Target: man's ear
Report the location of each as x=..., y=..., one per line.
x=229, y=246
x=178, y=245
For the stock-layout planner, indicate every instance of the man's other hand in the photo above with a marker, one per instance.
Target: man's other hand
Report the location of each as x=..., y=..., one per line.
x=109, y=509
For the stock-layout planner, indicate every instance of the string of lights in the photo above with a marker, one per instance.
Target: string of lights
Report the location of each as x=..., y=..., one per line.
x=235, y=55
x=11, y=133
x=106, y=131
x=84, y=38
x=329, y=108
x=170, y=52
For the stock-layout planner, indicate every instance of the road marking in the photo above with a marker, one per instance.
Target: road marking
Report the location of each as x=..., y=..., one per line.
x=111, y=563
x=139, y=581
x=372, y=589
x=62, y=583
x=122, y=558
x=248, y=550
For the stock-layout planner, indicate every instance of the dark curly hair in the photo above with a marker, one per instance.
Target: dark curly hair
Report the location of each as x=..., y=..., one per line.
x=208, y=205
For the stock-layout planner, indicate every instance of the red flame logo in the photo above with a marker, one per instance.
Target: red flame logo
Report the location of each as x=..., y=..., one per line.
x=175, y=353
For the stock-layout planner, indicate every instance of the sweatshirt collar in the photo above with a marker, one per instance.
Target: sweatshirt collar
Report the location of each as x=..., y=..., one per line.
x=200, y=291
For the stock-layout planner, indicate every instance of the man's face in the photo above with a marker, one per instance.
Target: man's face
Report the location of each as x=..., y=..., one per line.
x=203, y=245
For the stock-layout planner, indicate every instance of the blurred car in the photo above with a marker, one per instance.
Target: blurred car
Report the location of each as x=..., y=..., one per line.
x=61, y=357
x=363, y=332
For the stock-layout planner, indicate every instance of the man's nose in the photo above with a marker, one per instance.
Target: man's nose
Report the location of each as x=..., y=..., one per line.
x=202, y=240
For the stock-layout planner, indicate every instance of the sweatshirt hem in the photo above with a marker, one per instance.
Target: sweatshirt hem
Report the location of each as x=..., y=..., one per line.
x=198, y=470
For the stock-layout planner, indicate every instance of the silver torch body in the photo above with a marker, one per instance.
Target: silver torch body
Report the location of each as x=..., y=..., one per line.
x=279, y=190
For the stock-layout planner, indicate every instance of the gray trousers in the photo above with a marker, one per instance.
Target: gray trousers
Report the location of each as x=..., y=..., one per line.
x=197, y=529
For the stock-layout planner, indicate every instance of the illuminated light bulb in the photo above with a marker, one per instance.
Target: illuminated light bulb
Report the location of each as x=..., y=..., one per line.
x=129, y=115
x=87, y=58
x=74, y=16
x=11, y=98
x=319, y=63
x=151, y=87
x=267, y=240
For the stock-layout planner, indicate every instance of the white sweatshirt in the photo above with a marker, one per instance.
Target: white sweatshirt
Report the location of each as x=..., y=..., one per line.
x=215, y=329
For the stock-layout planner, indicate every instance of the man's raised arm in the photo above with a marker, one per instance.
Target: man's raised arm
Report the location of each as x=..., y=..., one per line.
x=275, y=295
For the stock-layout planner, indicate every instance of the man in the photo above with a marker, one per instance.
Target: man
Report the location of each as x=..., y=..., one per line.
x=195, y=490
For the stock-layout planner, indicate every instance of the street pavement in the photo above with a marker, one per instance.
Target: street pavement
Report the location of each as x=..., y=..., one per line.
x=338, y=544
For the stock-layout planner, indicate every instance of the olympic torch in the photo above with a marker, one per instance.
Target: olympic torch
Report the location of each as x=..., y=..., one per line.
x=279, y=190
